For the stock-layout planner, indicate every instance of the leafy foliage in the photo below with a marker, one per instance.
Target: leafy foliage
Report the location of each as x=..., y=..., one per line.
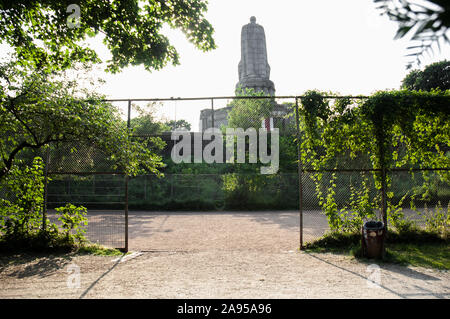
x=390, y=128
x=179, y=125
x=434, y=76
x=39, y=108
x=438, y=221
x=22, y=203
x=146, y=122
x=42, y=37
x=21, y=214
x=72, y=218
x=428, y=21
x=247, y=113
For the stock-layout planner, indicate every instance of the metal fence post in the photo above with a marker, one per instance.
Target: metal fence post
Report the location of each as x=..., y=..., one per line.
x=126, y=183
x=44, y=208
x=383, y=197
x=126, y=212
x=129, y=115
x=212, y=112
x=299, y=169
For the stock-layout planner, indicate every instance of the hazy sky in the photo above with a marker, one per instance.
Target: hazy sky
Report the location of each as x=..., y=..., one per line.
x=342, y=46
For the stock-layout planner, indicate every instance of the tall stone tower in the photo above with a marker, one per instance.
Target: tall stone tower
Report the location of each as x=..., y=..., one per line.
x=254, y=70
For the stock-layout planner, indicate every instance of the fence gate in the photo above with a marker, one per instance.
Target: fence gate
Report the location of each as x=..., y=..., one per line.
x=76, y=174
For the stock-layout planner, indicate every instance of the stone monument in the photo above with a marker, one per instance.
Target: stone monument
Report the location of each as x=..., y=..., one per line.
x=254, y=73
x=254, y=70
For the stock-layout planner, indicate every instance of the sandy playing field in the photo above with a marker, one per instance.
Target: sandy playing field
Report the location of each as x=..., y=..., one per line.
x=215, y=255
x=228, y=231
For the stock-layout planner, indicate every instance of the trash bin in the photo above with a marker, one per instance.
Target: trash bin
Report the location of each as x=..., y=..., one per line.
x=373, y=233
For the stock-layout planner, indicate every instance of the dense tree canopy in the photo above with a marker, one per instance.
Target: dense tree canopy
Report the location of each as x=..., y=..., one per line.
x=37, y=108
x=434, y=76
x=47, y=34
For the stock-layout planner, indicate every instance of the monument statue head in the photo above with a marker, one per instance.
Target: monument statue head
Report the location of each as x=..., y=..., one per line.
x=252, y=19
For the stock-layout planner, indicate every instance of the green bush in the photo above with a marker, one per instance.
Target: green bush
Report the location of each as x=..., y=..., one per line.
x=72, y=219
x=437, y=221
x=22, y=203
x=21, y=214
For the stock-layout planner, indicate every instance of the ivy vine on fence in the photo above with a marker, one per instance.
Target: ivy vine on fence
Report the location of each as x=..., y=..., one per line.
x=388, y=130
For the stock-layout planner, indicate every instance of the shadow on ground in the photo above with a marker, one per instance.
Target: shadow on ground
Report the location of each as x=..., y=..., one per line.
x=41, y=265
x=403, y=271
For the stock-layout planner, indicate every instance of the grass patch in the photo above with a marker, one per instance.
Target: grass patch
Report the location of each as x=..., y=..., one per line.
x=98, y=250
x=415, y=248
x=423, y=255
x=335, y=242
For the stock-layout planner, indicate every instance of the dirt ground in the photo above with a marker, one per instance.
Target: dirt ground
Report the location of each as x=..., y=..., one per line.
x=216, y=255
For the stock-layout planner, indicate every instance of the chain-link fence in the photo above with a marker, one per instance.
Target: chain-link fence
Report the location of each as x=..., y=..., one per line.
x=202, y=172
x=83, y=175
x=196, y=184
x=223, y=185
x=104, y=197
x=75, y=173
x=343, y=196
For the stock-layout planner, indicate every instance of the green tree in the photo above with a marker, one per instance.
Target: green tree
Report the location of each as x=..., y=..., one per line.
x=20, y=213
x=38, y=108
x=146, y=122
x=248, y=112
x=47, y=34
x=179, y=125
x=434, y=76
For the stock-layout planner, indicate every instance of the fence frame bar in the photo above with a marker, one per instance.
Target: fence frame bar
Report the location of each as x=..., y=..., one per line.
x=300, y=173
x=212, y=112
x=126, y=184
x=44, y=208
x=229, y=98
